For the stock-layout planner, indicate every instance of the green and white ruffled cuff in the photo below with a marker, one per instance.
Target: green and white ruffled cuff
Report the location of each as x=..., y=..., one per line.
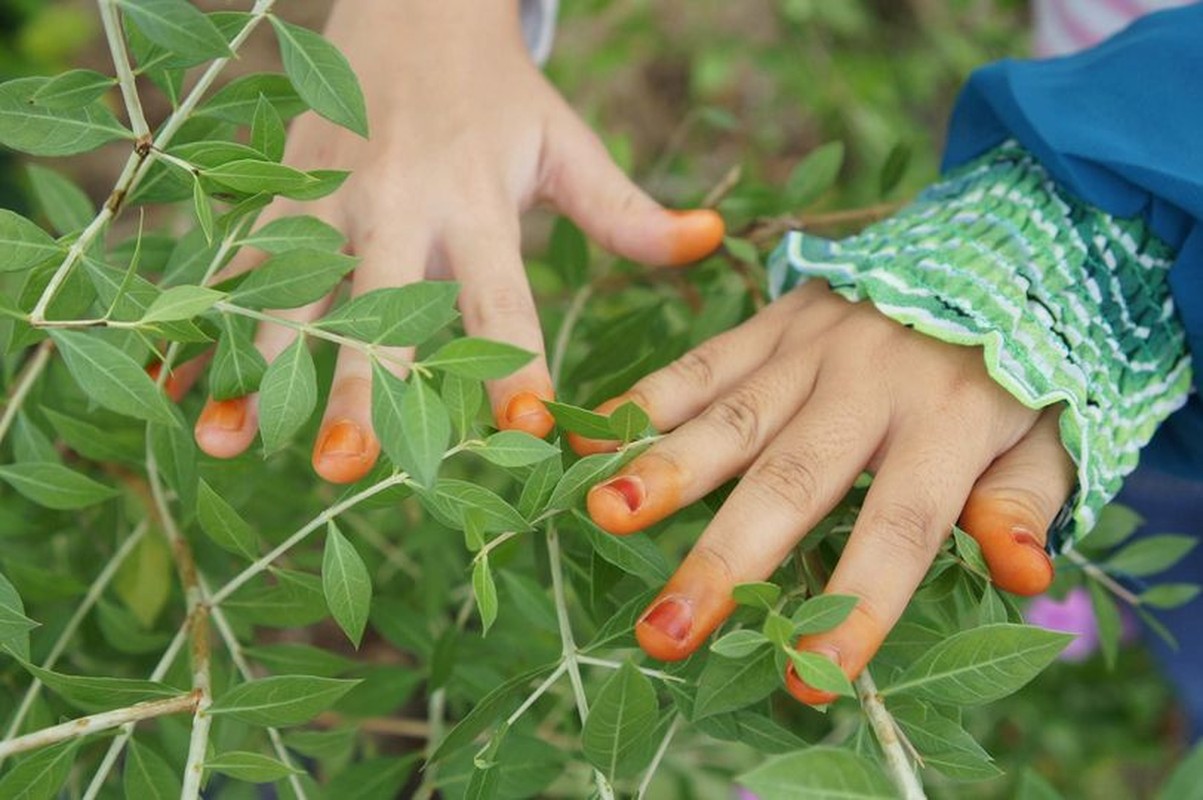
x=1069, y=303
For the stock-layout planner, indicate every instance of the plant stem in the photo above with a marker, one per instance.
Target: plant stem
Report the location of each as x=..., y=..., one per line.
x=1097, y=573
x=571, y=317
x=114, y=752
x=68, y=633
x=125, y=75
x=539, y=691
x=86, y=726
x=651, y=673
x=25, y=381
x=568, y=644
x=656, y=759
x=885, y=730
x=292, y=541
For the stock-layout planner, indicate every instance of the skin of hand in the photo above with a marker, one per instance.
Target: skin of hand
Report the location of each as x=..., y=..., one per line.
x=466, y=134
x=800, y=400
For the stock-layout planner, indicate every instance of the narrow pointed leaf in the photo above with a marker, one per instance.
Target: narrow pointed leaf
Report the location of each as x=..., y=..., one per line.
x=54, y=486
x=287, y=396
x=23, y=243
x=402, y=316
x=292, y=279
x=75, y=88
x=819, y=773
x=281, y=700
x=321, y=76
x=346, y=584
x=41, y=131
x=112, y=378
x=617, y=735
x=223, y=524
x=479, y=358
x=178, y=26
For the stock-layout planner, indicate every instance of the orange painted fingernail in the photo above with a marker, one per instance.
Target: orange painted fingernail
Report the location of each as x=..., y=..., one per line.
x=1035, y=579
x=629, y=488
x=804, y=691
x=225, y=415
x=672, y=616
x=341, y=439
x=344, y=452
x=525, y=412
x=698, y=233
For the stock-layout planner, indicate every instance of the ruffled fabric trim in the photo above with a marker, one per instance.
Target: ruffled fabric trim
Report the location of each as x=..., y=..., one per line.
x=1070, y=305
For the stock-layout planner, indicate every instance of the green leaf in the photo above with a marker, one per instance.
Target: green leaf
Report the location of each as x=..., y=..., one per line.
x=635, y=554
x=539, y=486
x=1186, y=782
x=728, y=684
x=287, y=396
x=739, y=644
x=281, y=700
x=388, y=392
x=777, y=628
x=894, y=168
x=75, y=88
x=1169, y=595
x=454, y=498
x=969, y=551
x=980, y=665
x=250, y=767
x=321, y=76
x=1151, y=555
x=743, y=250
x=485, y=592
x=14, y=625
x=296, y=233
x=24, y=244
x=54, y=486
x=1106, y=615
x=425, y=432
x=819, y=773
x=463, y=397
x=402, y=316
x=1034, y=786
x=238, y=366
x=181, y=302
x=111, y=378
x=42, y=775
x=63, y=203
x=301, y=659
x=267, y=130
x=814, y=175
x=581, y=476
x=92, y=694
x=222, y=523
x=204, y=211
x=175, y=454
x=1116, y=524
x=757, y=594
x=381, y=778
x=515, y=449
x=479, y=358
x=178, y=26
x=346, y=584
x=944, y=745
x=580, y=421
x=629, y=422
x=145, y=579
x=991, y=609
x=293, y=279
x=822, y=613
x=41, y=131
x=147, y=776
x=238, y=100
x=617, y=735
x=252, y=176
x=485, y=711
x=820, y=672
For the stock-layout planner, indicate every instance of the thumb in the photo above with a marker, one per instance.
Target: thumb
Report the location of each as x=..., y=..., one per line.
x=583, y=182
x=1013, y=504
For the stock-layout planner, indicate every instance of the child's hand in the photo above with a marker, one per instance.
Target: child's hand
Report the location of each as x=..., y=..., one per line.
x=465, y=134
x=801, y=399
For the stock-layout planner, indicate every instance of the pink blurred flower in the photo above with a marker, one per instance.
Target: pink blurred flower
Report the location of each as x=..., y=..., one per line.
x=1075, y=615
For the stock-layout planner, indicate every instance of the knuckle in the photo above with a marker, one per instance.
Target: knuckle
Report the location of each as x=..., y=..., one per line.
x=908, y=529
x=718, y=559
x=500, y=302
x=788, y=477
x=695, y=368
x=739, y=414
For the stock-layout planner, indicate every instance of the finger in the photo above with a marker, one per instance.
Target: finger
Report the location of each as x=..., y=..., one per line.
x=583, y=181
x=908, y=513
x=706, y=451
x=182, y=376
x=1015, y=501
x=789, y=488
x=346, y=447
x=684, y=388
x=497, y=304
x=227, y=428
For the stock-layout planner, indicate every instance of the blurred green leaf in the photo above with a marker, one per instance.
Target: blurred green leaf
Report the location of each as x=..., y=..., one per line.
x=147, y=776
x=1151, y=555
x=820, y=772
x=249, y=767
x=485, y=592
x=55, y=486
x=814, y=175
x=63, y=203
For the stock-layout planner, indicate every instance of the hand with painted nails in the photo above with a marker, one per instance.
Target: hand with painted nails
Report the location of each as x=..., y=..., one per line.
x=800, y=400
x=466, y=134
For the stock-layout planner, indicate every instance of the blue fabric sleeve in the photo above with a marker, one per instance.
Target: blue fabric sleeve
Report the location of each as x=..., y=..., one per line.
x=1120, y=126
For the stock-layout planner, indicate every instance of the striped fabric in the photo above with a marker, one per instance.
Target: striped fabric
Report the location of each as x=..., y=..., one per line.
x=1069, y=304
x=1066, y=26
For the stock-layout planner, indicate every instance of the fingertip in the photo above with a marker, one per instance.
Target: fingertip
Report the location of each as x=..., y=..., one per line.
x=525, y=411
x=696, y=233
x=1019, y=563
x=614, y=505
x=805, y=693
x=664, y=630
x=584, y=446
x=220, y=429
x=344, y=452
